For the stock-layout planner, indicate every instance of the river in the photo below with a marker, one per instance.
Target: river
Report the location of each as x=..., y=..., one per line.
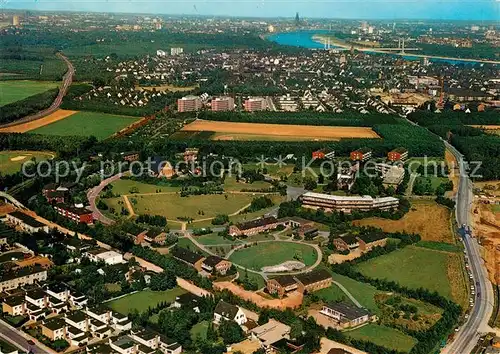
x=304, y=39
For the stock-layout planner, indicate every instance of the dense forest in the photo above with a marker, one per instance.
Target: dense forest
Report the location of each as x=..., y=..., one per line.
x=476, y=144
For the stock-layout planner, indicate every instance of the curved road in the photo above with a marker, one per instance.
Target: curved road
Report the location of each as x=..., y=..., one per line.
x=66, y=83
x=92, y=195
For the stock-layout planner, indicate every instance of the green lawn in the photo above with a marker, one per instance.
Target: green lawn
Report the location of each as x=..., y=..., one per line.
x=413, y=267
x=142, y=300
x=16, y=90
x=230, y=184
x=435, y=181
x=174, y=206
x=214, y=239
x=439, y=246
x=332, y=294
x=199, y=329
x=364, y=293
x=123, y=186
x=99, y=125
x=273, y=253
x=384, y=336
x=12, y=161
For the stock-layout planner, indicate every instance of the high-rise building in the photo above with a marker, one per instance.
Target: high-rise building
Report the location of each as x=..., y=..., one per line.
x=255, y=104
x=297, y=19
x=189, y=104
x=15, y=20
x=220, y=104
x=176, y=51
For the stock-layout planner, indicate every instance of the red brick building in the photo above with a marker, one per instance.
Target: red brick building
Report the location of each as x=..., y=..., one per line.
x=399, y=154
x=361, y=154
x=323, y=154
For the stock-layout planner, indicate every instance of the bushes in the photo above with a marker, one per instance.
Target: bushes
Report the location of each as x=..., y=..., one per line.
x=29, y=105
x=259, y=203
x=153, y=220
x=445, y=201
x=220, y=219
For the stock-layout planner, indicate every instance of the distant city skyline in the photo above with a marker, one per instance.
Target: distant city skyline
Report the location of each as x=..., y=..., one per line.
x=477, y=10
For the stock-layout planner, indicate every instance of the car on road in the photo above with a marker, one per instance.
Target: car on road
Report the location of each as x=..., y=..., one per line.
x=30, y=342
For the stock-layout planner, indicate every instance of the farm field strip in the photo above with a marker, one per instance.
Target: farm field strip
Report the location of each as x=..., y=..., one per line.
x=100, y=125
x=281, y=130
x=16, y=90
x=51, y=118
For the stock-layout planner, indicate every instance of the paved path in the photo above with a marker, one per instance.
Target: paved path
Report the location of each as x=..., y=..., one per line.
x=66, y=83
x=20, y=339
x=349, y=295
x=92, y=195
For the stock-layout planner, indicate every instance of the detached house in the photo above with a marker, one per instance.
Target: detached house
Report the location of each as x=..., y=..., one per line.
x=216, y=264
x=225, y=311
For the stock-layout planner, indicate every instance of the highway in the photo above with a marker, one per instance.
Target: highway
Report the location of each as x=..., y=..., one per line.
x=66, y=83
x=477, y=322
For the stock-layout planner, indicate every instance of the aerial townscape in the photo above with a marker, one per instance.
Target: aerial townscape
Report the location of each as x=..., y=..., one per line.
x=250, y=177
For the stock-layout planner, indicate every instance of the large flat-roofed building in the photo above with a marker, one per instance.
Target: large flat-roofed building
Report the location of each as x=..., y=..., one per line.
x=253, y=227
x=346, y=315
x=26, y=222
x=254, y=104
x=189, y=104
x=347, y=204
x=106, y=256
x=23, y=276
x=393, y=176
x=305, y=282
x=221, y=104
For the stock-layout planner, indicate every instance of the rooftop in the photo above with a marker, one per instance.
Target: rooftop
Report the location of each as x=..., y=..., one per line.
x=212, y=261
x=186, y=255
x=28, y=220
x=248, y=225
x=314, y=276
x=285, y=280
x=348, y=311
x=226, y=310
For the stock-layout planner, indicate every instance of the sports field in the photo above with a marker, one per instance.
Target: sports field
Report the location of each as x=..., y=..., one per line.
x=51, y=118
x=173, y=206
x=99, y=125
x=258, y=131
x=413, y=267
x=384, y=336
x=273, y=253
x=11, y=161
x=16, y=90
x=426, y=218
x=143, y=299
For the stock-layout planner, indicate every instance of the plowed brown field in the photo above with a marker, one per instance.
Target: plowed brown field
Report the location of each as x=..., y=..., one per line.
x=51, y=118
x=307, y=132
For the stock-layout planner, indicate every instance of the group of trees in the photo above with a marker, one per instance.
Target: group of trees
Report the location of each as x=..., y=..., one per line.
x=259, y=203
x=32, y=104
x=153, y=220
x=353, y=118
x=477, y=145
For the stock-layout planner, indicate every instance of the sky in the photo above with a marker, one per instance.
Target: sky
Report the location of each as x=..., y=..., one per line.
x=357, y=9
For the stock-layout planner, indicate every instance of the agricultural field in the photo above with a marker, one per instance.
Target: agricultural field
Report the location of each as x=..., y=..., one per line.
x=51, y=118
x=384, y=336
x=281, y=132
x=426, y=218
x=143, y=299
x=413, y=267
x=173, y=206
x=12, y=161
x=273, y=253
x=128, y=186
x=16, y=90
x=99, y=125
